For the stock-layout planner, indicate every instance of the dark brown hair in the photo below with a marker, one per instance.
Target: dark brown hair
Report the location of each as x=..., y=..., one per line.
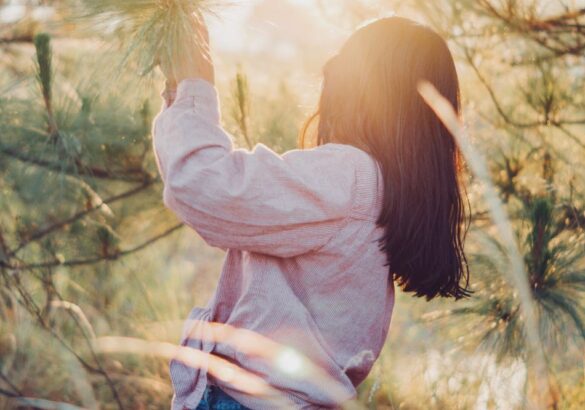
x=370, y=100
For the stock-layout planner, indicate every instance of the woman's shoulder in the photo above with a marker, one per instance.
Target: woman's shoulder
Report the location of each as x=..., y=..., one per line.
x=336, y=152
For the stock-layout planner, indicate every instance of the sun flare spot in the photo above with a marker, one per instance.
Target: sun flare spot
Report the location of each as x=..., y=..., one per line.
x=289, y=361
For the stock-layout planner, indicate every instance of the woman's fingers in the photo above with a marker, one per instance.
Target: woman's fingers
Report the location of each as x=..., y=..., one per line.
x=202, y=27
x=193, y=58
x=202, y=34
x=170, y=84
x=205, y=62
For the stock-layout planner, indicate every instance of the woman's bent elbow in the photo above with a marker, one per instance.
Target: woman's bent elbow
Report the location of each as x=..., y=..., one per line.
x=174, y=194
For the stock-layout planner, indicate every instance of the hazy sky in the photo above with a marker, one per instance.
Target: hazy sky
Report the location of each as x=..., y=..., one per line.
x=276, y=30
x=279, y=26
x=275, y=39
x=270, y=39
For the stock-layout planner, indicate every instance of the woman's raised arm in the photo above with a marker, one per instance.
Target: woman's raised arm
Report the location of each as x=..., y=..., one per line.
x=282, y=205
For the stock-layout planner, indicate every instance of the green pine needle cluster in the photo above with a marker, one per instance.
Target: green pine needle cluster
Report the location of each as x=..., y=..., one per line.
x=148, y=29
x=44, y=53
x=44, y=60
x=553, y=255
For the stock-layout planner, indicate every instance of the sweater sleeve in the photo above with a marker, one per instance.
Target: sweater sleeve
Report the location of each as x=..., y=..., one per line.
x=258, y=201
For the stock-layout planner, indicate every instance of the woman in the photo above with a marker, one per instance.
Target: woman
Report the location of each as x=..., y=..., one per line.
x=316, y=238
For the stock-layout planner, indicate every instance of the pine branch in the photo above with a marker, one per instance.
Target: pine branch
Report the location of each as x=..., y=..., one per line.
x=152, y=29
x=21, y=39
x=549, y=33
x=562, y=19
x=8, y=394
x=78, y=169
x=510, y=120
x=79, y=215
x=92, y=261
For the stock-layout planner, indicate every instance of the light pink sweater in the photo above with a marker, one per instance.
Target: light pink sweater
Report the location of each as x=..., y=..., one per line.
x=303, y=266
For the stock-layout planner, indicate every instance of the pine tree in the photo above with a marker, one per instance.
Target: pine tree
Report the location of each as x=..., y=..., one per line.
x=526, y=58
x=77, y=177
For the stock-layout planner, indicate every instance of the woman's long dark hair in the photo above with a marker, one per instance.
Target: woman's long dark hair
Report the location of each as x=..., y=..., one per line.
x=370, y=100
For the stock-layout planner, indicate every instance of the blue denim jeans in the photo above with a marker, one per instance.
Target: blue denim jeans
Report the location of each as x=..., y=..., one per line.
x=216, y=399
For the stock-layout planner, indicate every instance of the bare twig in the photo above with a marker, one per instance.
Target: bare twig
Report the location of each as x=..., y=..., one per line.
x=549, y=33
x=9, y=383
x=34, y=309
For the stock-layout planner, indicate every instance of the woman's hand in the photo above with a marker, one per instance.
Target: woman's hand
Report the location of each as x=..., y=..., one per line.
x=192, y=59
